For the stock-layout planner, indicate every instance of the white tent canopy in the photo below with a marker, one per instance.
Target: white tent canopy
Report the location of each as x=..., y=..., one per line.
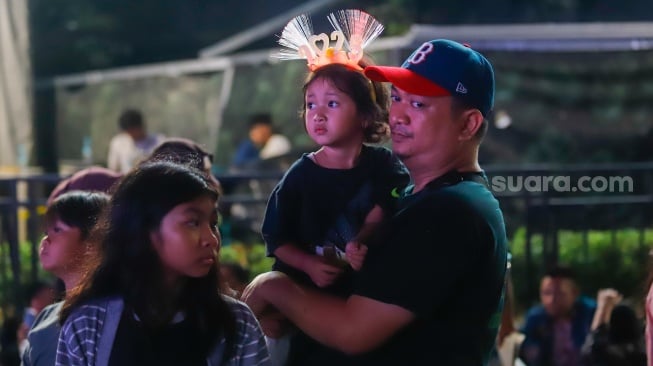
x=15, y=84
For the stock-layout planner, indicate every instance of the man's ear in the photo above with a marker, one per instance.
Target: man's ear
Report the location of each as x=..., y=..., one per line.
x=471, y=121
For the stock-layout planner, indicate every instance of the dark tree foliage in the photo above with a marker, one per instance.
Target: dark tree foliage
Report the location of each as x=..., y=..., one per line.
x=76, y=35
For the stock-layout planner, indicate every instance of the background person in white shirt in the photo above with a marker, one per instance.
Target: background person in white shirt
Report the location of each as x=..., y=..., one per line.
x=132, y=144
x=261, y=143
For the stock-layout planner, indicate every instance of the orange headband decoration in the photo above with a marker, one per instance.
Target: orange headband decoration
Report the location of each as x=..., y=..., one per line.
x=353, y=31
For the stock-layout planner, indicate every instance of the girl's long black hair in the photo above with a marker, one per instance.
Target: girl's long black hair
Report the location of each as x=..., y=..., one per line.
x=129, y=266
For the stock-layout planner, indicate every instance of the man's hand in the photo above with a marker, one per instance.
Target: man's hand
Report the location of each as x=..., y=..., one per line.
x=355, y=253
x=322, y=272
x=606, y=300
x=608, y=297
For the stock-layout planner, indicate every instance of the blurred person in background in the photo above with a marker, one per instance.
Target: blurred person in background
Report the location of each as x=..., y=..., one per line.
x=235, y=276
x=185, y=152
x=617, y=336
x=39, y=295
x=556, y=330
x=91, y=179
x=262, y=143
x=132, y=143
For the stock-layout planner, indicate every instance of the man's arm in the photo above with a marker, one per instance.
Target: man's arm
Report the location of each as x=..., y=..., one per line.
x=356, y=325
x=606, y=300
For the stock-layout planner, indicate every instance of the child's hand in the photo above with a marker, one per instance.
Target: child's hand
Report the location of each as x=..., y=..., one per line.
x=321, y=272
x=355, y=253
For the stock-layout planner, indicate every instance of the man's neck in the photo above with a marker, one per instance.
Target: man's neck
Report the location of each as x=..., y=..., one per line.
x=424, y=173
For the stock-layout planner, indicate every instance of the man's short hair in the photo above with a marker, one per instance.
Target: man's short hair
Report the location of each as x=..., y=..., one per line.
x=260, y=119
x=560, y=271
x=130, y=118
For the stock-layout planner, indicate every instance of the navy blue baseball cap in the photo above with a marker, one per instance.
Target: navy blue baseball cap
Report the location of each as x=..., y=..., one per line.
x=441, y=68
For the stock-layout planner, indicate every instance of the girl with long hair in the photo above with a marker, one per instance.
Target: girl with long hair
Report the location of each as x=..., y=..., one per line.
x=154, y=298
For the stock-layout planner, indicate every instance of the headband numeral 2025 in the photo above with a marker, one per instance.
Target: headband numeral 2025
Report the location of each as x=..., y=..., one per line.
x=353, y=31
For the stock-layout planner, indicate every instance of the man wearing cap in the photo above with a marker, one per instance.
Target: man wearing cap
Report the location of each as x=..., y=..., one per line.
x=431, y=288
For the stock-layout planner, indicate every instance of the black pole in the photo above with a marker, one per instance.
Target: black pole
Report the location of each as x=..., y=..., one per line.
x=45, y=129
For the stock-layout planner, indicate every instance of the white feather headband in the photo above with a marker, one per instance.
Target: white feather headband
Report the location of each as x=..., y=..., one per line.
x=353, y=31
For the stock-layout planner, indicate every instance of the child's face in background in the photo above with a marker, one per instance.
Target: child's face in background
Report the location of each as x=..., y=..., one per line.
x=62, y=248
x=187, y=239
x=331, y=116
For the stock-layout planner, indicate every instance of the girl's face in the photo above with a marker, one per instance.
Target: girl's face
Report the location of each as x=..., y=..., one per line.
x=62, y=248
x=187, y=239
x=331, y=115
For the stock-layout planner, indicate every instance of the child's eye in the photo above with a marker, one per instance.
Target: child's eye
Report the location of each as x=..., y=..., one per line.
x=310, y=105
x=193, y=223
x=417, y=104
x=394, y=98
x=333, y=104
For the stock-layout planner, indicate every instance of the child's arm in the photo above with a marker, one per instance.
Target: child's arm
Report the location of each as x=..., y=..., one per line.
x=321, y=272
x=356, y=250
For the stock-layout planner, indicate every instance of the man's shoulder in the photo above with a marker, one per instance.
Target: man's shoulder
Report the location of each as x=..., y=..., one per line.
x=276, y=145
x=152, y=140
x=469, y=197
x=120, y=138
x=278, y=138
x=120, y=144
x=535, y=313
x=586, y=303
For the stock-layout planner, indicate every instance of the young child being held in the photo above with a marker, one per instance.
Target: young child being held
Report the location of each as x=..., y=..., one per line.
x=329, y=201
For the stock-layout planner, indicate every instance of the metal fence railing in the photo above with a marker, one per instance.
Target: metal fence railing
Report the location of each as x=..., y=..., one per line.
x=543, y=199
